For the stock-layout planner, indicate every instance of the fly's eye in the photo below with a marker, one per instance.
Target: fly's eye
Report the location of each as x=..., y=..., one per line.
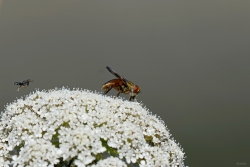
x=136, y=89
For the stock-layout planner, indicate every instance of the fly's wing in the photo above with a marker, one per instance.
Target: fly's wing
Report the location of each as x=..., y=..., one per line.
x=27, y=82
x=117, y=75
x=114, y=73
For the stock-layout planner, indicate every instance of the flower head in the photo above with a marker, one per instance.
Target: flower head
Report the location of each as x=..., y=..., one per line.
x=83, y=128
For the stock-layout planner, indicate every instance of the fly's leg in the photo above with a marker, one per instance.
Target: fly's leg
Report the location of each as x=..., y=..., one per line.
x=132, y=98
x=107, y=90
x=120, y=88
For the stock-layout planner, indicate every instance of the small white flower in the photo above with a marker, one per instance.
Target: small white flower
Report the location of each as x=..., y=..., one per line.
x=109, y=162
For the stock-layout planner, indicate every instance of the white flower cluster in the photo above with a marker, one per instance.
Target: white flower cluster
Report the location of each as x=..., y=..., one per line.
x=48, y=128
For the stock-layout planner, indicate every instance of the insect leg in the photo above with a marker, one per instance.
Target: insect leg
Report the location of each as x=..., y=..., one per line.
x=120, y=88
x=107, y=90
x=132, y=98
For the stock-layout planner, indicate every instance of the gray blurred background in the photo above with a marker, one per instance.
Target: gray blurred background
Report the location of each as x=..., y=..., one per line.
x=191, y=59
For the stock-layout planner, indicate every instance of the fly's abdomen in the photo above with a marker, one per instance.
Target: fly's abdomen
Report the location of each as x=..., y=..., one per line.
x=117, y=84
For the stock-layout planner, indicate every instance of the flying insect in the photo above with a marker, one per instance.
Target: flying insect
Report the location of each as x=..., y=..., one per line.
x=121, y=85
x=23, y=84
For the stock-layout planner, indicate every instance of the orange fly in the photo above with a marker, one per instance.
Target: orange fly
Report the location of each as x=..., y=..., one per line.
x=121, y=85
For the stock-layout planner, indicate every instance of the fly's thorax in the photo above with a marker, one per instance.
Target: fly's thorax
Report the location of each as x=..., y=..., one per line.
x=130, y=84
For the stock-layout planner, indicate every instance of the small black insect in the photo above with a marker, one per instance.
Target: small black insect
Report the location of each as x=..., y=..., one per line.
x=23, y=84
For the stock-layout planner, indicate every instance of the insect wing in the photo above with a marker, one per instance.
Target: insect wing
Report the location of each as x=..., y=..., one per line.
x=114, y=73
x=26, y=82
x=117, y=75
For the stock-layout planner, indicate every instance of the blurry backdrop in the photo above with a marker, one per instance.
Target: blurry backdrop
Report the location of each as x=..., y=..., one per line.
x=191, y=59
